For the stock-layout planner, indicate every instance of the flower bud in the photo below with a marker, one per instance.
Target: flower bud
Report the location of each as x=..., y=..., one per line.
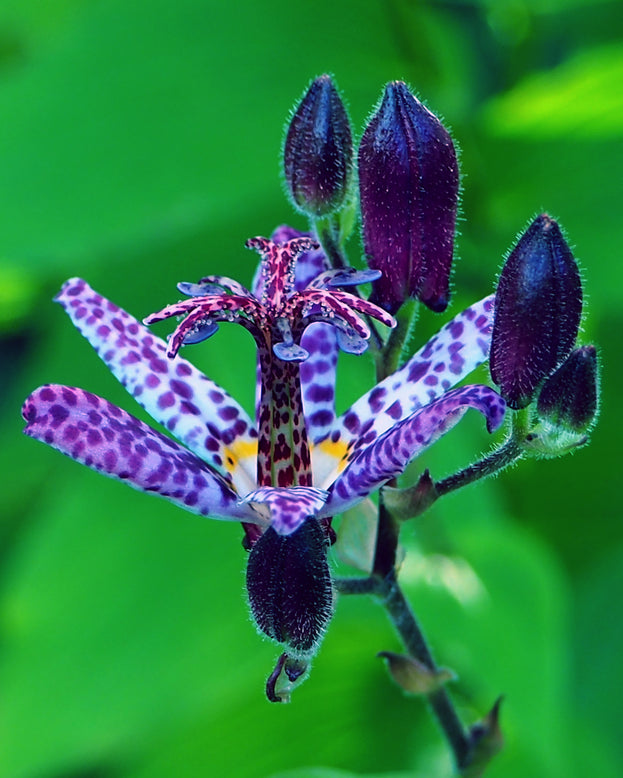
x=568, y=398
x=318, y=150
x=289, y=586
x=409, y=182
x=538, y=305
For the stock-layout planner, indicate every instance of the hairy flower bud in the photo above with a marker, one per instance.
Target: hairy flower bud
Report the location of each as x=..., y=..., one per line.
x=568, y=398
x=409, y=182
x=289, y=587
x=318, y=150
x=538, y=305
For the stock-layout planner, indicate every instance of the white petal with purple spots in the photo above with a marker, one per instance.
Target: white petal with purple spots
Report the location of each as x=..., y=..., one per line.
x=448, y=357
x=196, y=410
x=102, y=436
x=389, y=454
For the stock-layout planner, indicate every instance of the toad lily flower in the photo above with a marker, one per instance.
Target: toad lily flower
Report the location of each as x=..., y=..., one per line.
x=300, y=464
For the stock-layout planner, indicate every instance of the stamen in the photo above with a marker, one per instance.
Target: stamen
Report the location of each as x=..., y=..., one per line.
x=288, y=350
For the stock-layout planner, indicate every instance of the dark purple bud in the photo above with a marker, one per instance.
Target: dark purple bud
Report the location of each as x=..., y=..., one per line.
x=568, y=398
x=538, y=305
x=318, y=151
x=289, y=587
x=409, y=183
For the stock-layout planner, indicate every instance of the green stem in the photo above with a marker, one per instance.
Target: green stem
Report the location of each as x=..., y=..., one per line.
x=389, y=358
x=508, y=453
x=401, y=615
x=405, y=623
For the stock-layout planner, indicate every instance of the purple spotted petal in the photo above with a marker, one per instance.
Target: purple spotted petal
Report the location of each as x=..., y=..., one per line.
x=389, y=455
x=196, y=410
x=318, y=373
x=102, y=436
x=447, y=358
x=288, y=507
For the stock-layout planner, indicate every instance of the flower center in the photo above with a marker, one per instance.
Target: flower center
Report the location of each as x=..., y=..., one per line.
x=276, y=319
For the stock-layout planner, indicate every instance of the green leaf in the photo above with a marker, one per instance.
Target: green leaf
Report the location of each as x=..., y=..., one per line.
x=579, y=99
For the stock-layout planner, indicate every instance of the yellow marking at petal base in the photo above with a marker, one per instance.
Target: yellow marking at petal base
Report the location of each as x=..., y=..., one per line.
x=328, y=461
x=240, y=460
x=239, y=449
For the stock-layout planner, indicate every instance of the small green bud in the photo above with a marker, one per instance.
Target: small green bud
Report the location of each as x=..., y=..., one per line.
x=567, y=405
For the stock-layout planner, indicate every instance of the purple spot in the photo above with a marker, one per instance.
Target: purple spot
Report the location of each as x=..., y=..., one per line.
x=152, y=381
x=94, y=400
x=47, y=394
x=94, y=438
x=394, y=410
x=69, y=396
x=318, y=394
x=417, y=371
x=183, y=370
x=456, y=329
x=228, y=413
x=71, y=433
x=431, y=380
x=59, y=413
x=166, y=400
x=180, y=477
x=159, y=366
x=130, y=358
x=351, y=422
x=375, y=400
x=192, y=498
x=322, y=366
x=321, y=419
x=181, y=388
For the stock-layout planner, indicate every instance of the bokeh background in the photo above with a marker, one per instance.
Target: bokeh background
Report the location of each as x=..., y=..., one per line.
x=139, y=146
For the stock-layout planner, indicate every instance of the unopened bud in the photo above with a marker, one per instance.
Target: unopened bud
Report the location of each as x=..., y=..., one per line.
x=568, y=398
x=318, y=150
x=567, y=406
x=538, y=305
x=289, y=586
x=409, y=182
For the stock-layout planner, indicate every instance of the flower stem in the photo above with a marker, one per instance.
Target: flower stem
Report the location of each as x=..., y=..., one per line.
x=389, y=359
x=401, y=615
x=508, y=453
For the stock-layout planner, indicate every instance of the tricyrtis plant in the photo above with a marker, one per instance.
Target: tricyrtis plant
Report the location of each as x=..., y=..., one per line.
x=289, y=471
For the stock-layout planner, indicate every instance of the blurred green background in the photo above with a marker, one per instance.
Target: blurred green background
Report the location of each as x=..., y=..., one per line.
x=139, y=146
